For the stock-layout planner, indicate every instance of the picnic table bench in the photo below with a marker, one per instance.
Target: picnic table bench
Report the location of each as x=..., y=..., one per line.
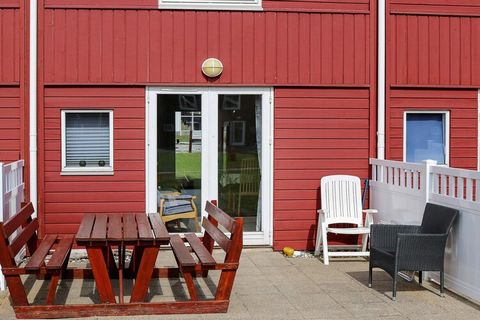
x=99, y=233
x=57, y=248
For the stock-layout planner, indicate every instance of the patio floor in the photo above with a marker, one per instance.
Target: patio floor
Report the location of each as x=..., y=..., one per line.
x=271, y=286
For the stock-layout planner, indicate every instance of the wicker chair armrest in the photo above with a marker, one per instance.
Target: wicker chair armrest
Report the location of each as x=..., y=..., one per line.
x=385, y=235
x=421, y=251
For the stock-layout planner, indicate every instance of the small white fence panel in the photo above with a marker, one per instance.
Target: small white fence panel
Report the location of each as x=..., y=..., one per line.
x=400, y=191
x=12, y=193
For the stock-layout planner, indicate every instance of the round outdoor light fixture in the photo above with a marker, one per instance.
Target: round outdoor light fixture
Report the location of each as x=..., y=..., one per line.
x=212, y=67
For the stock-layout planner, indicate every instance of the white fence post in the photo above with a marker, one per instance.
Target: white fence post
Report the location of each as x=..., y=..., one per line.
x=426, y=180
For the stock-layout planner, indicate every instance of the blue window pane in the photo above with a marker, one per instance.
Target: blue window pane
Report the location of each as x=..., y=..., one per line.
x=425, y=137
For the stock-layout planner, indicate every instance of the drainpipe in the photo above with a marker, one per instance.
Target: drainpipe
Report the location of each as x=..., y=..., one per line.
x=33, y=102
x=381, y=81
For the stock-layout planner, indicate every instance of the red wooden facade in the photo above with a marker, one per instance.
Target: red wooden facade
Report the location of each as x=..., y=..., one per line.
x=433, y=63
x=319, y=56
x=12, y=81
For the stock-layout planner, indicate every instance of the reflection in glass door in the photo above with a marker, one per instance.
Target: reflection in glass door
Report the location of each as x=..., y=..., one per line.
x=179, y=176
x=239, y=157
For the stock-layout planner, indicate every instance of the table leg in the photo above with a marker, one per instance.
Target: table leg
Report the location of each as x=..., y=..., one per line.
x=144, y=273
x=121, y=257
x=100, y=273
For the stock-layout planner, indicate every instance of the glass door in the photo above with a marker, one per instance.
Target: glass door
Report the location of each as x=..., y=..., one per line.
x=210, y=144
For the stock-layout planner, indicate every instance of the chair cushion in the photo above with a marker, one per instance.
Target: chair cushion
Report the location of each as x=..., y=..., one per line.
x=176, y=207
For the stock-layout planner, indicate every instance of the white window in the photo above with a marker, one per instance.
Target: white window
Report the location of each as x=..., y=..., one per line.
x=426, y=136
x=87, y=142
x=211, y=4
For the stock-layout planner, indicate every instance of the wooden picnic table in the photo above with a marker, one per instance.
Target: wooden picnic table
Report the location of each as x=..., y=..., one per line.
x=100, y=232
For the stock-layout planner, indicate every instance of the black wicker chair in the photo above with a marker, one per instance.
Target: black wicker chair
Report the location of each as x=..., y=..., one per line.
x=395, y=248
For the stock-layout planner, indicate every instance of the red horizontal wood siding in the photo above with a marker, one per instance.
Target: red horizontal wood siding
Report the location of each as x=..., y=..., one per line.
x=317, y=132
x=436, y=7
x=9, y=44
x=10, y=124
x=463, y=107
x=67, y=198
x=168, y=47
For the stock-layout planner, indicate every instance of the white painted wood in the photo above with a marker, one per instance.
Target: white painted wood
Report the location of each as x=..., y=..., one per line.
x=209, y=189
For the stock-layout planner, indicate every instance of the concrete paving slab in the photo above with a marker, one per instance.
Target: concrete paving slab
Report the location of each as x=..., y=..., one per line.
x=271, y=286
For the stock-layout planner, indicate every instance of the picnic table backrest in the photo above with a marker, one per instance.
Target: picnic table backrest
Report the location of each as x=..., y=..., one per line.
x=27, y=235
x=231, y=245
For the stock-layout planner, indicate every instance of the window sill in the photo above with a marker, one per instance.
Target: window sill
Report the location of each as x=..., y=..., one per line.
x=180, y=5
x=86, y=173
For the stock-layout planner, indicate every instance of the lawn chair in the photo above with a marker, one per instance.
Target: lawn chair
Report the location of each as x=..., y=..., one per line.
x=341, y=200
x=397, y=248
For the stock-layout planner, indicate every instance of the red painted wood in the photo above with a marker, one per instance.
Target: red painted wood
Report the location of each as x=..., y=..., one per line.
x=152, y=46
x=95, y=194
x=10, y=45
x=463, y=107
x=10, y=124
x=317, y=132
x=434, y=49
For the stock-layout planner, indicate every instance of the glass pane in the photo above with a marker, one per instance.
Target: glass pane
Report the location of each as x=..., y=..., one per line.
x=87, y=139
x=425, y=137
x=179, y=133
x=239, y=156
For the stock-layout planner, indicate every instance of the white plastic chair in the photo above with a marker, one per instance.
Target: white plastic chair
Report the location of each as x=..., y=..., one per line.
x=342, y=203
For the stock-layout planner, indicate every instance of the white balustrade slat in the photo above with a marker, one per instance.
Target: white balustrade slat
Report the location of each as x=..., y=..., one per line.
x=451, y=186
x=469, y=189
x=443, y=186
x=460, y=185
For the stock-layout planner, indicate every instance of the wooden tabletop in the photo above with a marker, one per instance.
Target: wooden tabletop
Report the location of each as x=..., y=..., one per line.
x=127, y=228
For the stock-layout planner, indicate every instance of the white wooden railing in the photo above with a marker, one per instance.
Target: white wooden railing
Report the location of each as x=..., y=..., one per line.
x=12, y=193
x=400, y=191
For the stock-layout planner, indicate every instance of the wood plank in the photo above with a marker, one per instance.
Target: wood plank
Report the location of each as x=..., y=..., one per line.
x=86, y=226
x=144, y=275
x=144, y=228
x=202, y=253
x=18, y=219
x=217, y=235
x=99, y=232
x=100, y=273
x=159, y=229
x=38, y=257
x=23, y=237
x=129, y=227
x=223, y=219
x=181, y=252
x=115, y=227
x=152, y=308
x=62, y=251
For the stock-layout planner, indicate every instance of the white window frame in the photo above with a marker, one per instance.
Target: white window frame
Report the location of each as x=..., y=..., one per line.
x=85, y=170
x=250, y=5
x=446, y=122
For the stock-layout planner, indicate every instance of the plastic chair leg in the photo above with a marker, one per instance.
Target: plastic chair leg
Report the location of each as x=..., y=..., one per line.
x=319, y=240
x=325, y=246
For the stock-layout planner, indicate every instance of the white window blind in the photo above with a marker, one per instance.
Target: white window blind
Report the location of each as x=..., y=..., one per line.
x=87, y=140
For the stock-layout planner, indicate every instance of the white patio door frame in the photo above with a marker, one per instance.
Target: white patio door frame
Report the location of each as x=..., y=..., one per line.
x=209, y=111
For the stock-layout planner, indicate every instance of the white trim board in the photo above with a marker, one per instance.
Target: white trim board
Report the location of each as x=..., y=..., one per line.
x=446, y=115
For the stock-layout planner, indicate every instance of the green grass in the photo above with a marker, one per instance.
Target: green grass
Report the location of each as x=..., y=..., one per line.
x=189, y=164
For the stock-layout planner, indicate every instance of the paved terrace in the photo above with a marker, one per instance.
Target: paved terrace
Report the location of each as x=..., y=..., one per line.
x=271, y=286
